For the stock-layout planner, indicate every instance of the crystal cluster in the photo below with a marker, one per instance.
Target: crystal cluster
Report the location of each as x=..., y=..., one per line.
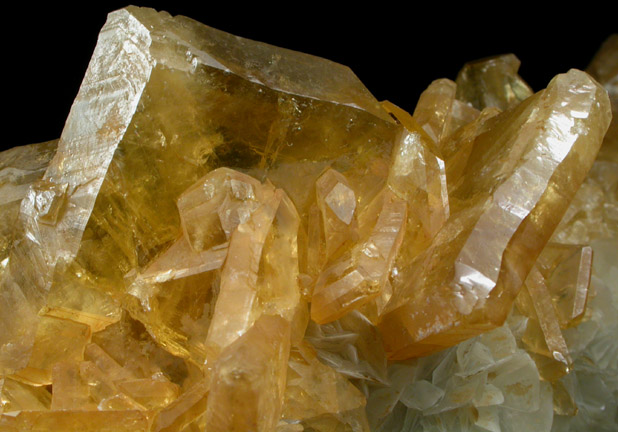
x=230, y=236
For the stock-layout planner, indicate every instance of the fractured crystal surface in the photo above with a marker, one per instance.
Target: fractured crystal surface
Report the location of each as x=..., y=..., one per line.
x=231, y=236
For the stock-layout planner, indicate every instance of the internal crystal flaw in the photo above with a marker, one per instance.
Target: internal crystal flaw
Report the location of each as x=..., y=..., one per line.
x=231, y=236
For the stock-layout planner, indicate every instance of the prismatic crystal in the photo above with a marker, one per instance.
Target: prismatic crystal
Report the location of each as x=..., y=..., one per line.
x=230, y=236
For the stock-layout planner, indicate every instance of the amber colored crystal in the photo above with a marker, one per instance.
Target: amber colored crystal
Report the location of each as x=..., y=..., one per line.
x=230, y=236
x=320, y=398
x=604, y=68
x=248, y=379
x=362, y=274
x=17, y=396
x=56, y=340
x=77, y=421
x=492, y=82
x=474, y=267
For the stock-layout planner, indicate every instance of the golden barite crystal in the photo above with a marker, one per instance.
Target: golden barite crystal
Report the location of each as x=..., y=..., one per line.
x=604, y=68
x=528, y=160
x=554, y=298
x=492, y=82
x=230, y=236
x=20, y=167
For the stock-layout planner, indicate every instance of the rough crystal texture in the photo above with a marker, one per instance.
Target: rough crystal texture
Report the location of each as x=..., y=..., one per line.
x=318, y=397
x=230, y=236
x=20, y=167
x=475, y=265
x=56, y=210
x=361, y=275
x=248, y=380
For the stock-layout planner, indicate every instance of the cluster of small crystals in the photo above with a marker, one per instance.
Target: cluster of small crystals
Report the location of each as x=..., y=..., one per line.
x=230, y=236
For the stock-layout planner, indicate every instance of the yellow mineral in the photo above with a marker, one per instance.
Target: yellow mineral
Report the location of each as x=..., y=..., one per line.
x=417, y=174
x=19, y=168
x=57, y=340
x=360, y=276
x=127, y=351
x=211, y=209
x=467, y=279
x=71, y=391
x=567, y=270
x=492, y=82
x=239, y=288
x=185, y=410
x=249, y=377
x=554, y=299
x=231, y=237
x=77, y=421
x=152, y=394
x=547, y=317
x=337, y=203
x=434, y=108
x=95, y=354
x=318, y=397
x=16, y=396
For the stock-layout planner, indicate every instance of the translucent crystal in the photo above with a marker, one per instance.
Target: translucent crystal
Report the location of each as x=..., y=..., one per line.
x=360, y=276
x=352, y=346
x=434, y=107
x=483, y=232
x=20, y=167
x=16, y=396
x=56, y=340
x=492, y=82
x=231, y=236
x=249, y=379
x=318, y=397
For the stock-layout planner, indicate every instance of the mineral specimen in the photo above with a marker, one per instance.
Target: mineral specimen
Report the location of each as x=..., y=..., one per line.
x=230, y=236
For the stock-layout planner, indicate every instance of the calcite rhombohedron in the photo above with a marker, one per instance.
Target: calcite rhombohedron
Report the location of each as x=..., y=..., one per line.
x=230, y=236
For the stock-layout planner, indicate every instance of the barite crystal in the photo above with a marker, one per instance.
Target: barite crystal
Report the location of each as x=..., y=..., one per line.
x=230, y=236
x=492, y=82
x=527, y=160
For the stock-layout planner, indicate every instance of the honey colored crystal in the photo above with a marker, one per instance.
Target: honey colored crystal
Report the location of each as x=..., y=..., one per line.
x=492, y=82
x=320, y=398
x=360, y=275
x=230, y=236
x=16, y=396
x=249, y=379
x=20, y=167
x=474, y=268
x=77, y=421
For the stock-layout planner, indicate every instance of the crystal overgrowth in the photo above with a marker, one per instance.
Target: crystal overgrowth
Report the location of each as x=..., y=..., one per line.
x=230, y=236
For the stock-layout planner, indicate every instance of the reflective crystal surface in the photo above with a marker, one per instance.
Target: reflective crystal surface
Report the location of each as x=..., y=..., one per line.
x=230, y=236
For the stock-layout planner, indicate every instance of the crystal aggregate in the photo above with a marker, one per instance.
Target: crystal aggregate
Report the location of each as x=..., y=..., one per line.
x=231, y=236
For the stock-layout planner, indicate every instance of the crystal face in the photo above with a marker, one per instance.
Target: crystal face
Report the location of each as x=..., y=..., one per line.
x=230, y=236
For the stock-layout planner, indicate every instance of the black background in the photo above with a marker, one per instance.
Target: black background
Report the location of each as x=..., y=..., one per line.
x=396, y=52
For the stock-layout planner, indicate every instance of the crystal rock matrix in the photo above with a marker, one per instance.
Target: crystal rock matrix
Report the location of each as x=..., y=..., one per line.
x=230, y=236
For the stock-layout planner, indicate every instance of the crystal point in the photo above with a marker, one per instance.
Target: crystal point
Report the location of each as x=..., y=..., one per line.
x=231, y=236
x=249, y=379
x=492, y=82
x=486, y=231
